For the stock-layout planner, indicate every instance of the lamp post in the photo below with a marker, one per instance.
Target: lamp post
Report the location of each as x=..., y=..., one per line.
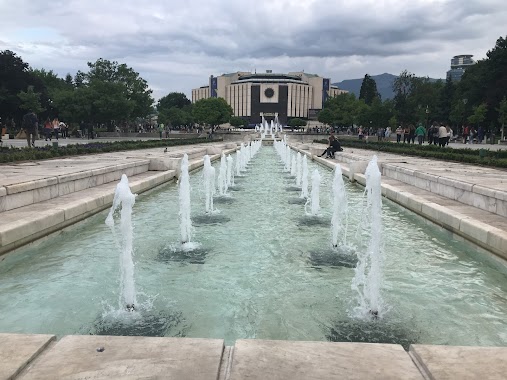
x=465, y=101
x=427, y=116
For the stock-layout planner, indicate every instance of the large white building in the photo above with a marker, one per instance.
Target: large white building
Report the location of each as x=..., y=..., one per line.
x=253, y=95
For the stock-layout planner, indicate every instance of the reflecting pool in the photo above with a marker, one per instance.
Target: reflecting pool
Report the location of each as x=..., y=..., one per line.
x=262, y=270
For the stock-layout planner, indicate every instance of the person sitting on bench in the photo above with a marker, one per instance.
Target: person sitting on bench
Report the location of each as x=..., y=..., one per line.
x=334, y=146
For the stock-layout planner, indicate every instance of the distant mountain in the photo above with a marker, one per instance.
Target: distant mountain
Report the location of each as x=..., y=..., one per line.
x=384, y=85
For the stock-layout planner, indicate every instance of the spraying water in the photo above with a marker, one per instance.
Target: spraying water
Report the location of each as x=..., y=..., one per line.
x=368, y=273
x=304, y=179
x=287, y=159
x=222, y=176
x=184, y=195
x=123, y=197
x=299, y=172
x=315, y=196
x=230, y=172
x=238, y=163
x=209, y=184
x=293, y=166
x=338, y=220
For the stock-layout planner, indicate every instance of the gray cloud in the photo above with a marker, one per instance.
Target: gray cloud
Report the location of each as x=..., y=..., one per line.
x=176, y=46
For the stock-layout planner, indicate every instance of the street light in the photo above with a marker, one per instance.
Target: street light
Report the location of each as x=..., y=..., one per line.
x=427, y=116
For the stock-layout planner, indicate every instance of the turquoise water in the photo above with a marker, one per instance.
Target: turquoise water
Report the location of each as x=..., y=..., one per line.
x=254, y=278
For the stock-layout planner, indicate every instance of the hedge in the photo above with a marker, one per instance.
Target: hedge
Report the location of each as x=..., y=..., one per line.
x=12, y=154
x=485, y=157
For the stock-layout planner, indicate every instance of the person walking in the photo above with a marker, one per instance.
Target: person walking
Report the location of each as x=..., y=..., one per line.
x=30, y=125
x=442, y=135
x=420, y=132
x=48, y=129
x=399, y=132
x=406, y=134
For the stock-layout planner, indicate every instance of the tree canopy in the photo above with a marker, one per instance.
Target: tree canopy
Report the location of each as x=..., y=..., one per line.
x=211, y=111
x=368, y=90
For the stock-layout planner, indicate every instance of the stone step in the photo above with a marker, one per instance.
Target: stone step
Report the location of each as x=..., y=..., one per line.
x=25, y=224
x=77, y=175
x=468, y=192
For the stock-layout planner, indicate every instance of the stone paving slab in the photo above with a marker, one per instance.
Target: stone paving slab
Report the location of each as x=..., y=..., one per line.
x=292, y=360
x=17, y=350
x=76, y=357
x=461, y=363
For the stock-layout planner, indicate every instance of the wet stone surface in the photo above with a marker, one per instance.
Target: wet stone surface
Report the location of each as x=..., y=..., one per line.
x=332, y=258
x=313, y=221
x=223, y=200
x=297, y=201
x=172, y=254
x=141, y=323
x=210, y=219
x=373, y=331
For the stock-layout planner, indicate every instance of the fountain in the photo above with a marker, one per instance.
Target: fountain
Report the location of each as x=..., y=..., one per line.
x=340, y=209
x=184, y=195
x=222, y=176
x=123, y=197
x=230, y=171
x=299, y=169
x=304, y=179
x=209, y=184
x=293, y=166
x=368, y=273
x=315, y=194
x=433, y=278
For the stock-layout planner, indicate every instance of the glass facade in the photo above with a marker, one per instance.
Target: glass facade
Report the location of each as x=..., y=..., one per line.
x=459, y=64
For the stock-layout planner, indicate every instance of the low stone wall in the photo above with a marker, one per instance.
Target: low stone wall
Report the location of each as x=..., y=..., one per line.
x=26, y=193
x=467, y=193
x=41, y=357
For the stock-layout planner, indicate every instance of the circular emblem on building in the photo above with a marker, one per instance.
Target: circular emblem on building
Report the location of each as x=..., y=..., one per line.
x=269, y=92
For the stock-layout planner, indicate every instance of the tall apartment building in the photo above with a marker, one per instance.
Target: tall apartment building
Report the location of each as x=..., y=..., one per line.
x=459, y=64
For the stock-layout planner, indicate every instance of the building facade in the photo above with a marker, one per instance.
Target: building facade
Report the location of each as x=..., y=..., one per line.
x=459, y=64
x=253, y=95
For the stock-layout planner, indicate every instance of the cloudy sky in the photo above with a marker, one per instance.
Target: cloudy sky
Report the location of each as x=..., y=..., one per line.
x=176, y=45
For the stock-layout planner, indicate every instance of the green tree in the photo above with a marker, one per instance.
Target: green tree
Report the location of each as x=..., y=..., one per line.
x=135, y=89
x=443, y=106
x=175, y=116
x=502, y=115
x=479, y=114
x=211, y=111
x=173, y=99
x=326, y=116
x=296, y=122
x=14, y=78
x=368, y=90
x=402, y=87
x=344, y=108
x=30, y=100
x=238, y=122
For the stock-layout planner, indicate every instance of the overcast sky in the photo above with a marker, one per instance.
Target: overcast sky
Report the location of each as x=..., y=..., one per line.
x=177, y=45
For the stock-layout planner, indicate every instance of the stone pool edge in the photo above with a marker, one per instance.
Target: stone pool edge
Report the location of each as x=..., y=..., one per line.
x=38, y=356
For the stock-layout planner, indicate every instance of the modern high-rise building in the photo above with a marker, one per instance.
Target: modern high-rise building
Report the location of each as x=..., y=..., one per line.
x=459, y=64
x=253, y=95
